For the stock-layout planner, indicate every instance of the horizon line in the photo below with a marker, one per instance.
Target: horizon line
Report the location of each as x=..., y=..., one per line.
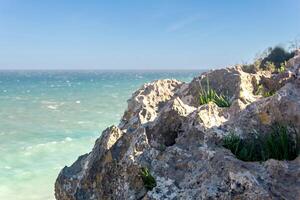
x=195, y=69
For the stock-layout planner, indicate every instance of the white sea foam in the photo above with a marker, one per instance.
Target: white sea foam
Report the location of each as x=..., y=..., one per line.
x=83, y=122
x=47, y=144
x=53, y=107
x=68, y=139
x=7, y=167
x=48, y=102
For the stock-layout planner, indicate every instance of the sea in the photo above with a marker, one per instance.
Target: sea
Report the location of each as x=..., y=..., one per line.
x=49, y=118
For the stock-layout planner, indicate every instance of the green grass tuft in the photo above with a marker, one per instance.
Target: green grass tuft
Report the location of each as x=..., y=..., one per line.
x=282, y=67
x=232, y=142
x=268, y=93
x=279, y=145
x=210, y=95
x=148, y=179
x=261, y=90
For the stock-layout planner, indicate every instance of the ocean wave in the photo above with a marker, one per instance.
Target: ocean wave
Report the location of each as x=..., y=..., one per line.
x=83, y=122
x=7, y=167
x=52, y=105
x=28, y=149
x=20, y=98
x=108, y=86
x=49, y=102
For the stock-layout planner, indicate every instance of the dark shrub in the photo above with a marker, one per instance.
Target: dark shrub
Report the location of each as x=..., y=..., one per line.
x=277, y=56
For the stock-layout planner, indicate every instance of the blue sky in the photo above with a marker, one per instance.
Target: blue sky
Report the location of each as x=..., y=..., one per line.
x=154, y=34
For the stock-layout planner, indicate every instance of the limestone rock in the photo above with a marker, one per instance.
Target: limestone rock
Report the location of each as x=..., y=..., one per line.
x=232, y=82
x=147, y=102
x=167, y=131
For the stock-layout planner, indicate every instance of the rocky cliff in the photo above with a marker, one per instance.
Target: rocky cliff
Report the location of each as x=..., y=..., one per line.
x=179, y=141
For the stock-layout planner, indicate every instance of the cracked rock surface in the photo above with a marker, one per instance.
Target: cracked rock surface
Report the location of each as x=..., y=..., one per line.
x=166, y=130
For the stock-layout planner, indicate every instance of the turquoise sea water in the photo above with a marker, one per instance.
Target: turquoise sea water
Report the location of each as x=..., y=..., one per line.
x=49, y=118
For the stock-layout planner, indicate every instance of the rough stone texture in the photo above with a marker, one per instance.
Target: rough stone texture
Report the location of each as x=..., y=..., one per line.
x=147, y=102
x=166, y=130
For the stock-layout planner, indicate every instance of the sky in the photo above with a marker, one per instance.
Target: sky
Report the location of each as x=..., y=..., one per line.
x=153, y=34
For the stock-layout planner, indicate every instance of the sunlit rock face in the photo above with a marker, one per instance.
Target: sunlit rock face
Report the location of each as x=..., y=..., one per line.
x=179, y=141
